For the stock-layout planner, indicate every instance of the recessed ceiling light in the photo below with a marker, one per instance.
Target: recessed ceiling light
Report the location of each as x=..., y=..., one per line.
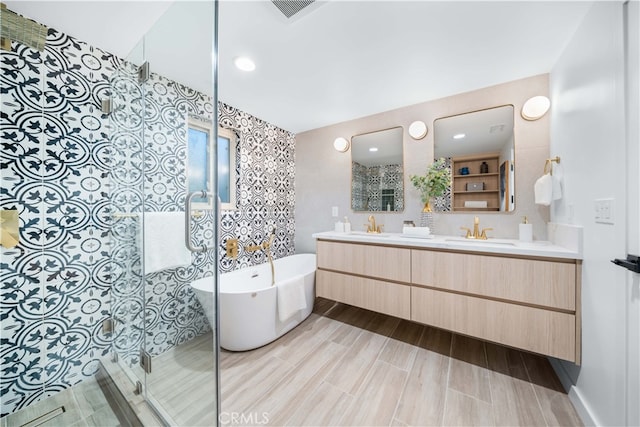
x=244, y=63
x=459, y=136
x=373, y=149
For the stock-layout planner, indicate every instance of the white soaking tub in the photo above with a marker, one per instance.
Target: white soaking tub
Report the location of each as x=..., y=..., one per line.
x=249, y=304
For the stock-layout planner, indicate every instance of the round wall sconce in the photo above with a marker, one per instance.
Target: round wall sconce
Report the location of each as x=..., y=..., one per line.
x=535, y=107
x=418, y=130
x=341, y=144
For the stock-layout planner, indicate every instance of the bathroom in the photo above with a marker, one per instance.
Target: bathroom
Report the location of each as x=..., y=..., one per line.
x=87, y=265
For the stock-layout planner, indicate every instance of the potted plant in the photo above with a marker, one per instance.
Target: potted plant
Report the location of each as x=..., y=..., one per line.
x=434, y=183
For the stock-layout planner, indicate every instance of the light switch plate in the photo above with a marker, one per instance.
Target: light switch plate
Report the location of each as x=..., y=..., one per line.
x=604, y=211
x=334, y=211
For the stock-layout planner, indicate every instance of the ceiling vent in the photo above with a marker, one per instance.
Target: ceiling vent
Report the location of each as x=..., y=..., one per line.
x=496, y=128
x=291, y=7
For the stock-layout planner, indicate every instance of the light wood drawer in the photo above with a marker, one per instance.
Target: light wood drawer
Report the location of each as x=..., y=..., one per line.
x=388, y=298
x=368, y=260
x=541, y=331
x=535, y=282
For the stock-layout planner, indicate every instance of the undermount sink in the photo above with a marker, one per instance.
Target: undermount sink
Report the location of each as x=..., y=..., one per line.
x=478, y=241
x=364, y=233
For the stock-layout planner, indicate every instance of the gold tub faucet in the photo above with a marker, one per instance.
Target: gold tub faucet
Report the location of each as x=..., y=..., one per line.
x=266, y=247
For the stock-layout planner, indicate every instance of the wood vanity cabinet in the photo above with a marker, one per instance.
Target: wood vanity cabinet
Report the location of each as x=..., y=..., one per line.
x=530, y=303
x=373, y=277
x=527, y=303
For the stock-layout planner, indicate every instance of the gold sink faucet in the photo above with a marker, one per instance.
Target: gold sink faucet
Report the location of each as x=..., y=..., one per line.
x=371, y=227
x=476, y=231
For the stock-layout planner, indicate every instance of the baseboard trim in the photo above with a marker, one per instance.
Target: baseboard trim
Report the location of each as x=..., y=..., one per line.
x=574, y=394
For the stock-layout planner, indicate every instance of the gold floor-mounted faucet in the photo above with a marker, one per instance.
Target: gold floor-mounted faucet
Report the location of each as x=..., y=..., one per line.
x=477, y=234
x=266, y=247
x=371, y=226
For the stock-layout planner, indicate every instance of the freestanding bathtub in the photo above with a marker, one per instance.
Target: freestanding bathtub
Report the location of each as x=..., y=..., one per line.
x=248, y=303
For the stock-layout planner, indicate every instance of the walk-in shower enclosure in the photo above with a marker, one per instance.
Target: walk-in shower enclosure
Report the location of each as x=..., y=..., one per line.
x=91, y=145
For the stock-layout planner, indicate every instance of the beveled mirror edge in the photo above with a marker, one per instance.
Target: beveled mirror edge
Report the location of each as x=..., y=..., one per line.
x=404, y=192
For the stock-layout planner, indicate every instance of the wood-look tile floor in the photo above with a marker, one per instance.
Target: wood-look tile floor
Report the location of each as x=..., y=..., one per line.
x=345, y=366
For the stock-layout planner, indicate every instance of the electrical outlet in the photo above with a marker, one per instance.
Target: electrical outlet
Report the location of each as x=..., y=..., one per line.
x=334, y=211
x=604, y=211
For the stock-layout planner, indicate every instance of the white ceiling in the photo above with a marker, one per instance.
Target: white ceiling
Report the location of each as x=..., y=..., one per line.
x=336, y=61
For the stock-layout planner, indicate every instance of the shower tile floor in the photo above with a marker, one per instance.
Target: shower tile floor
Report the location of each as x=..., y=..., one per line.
x=85, y=404
x=348, y=366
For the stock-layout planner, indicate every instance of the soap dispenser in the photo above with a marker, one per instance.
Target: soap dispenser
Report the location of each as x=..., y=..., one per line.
x=526, y=231
x=347, y=225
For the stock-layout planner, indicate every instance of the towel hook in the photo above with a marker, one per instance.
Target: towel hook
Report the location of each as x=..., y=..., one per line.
x=549, y=164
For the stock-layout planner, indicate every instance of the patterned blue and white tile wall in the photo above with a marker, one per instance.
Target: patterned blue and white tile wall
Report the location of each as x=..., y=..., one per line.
x=67, y=169
x=55, y=172
x=266, y=197
x=369, y=184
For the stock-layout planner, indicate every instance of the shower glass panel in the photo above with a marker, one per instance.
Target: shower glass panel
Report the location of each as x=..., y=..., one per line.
x=126, y=206
x=157, y=315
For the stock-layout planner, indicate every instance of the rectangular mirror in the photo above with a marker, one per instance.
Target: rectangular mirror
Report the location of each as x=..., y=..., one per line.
x=377, y=178
x=479, y=147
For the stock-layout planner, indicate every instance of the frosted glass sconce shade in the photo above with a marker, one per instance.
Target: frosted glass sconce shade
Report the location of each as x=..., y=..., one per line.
x=535, y=108
x=341, y=144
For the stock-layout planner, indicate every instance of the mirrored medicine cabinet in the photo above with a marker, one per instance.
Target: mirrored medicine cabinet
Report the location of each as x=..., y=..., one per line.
x=377, y=171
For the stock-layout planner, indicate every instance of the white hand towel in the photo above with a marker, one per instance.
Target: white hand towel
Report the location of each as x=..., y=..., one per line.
x=416, y=231
x=543, y=190
x=475, y=203
x=291, y=297
x=164, y=246
x=556, y=190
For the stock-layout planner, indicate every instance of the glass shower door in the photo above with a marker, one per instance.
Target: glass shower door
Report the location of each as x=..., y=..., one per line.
x=162, y=333
x=179, y=340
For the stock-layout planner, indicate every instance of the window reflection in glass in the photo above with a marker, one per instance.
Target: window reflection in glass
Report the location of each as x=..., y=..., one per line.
x=224, y=172
x=200, y=163
x=198, y=168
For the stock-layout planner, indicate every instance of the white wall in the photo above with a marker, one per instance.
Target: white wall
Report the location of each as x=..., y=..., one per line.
x=323, y=175
x=633, y=217
x=588, y=132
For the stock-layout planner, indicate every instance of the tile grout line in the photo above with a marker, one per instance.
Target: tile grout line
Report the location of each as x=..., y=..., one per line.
x=446, y=391
x=364, y=381
x=406, y=381
x=493, y=409
x=535, y=393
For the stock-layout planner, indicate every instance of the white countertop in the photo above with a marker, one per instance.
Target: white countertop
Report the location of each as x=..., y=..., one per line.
x=537, y=248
